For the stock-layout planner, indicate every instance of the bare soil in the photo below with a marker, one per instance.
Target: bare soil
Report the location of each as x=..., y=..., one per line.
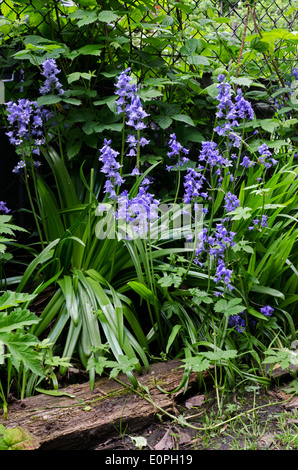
x=251, y=420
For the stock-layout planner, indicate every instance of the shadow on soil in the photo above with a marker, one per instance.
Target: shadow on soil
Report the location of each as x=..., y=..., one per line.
x=255, y=419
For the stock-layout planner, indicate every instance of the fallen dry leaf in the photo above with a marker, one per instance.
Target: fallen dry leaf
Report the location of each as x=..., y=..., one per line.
x=184, y=437
x=166, y=442
x=266, y=440
x=293, y=403
x=197, y=400
x=292, y=421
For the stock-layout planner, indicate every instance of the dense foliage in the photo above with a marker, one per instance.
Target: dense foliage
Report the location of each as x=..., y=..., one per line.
x=161, y=176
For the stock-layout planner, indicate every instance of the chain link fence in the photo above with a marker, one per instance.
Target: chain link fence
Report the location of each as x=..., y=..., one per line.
x=184, y=19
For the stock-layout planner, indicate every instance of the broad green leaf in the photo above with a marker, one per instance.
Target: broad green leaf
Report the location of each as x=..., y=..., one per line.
x=163, y=121
x=18, y=318
x=20, y=347
x=183, y=118
x=197, y=363
x=17, y=438
x=91, y=49
x=189, y=47
x=220, y=355
x=48, y=100
x=107, y=16
x=13, y=299
x=229, y=307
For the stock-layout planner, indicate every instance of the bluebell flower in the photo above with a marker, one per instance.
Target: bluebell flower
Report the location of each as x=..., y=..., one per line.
x=4, y=208
x=224, y=274
x=231, y=202
x=21, y=164
x=267, y=311
x=210, y=155
x=231, y=112
x=125, y=90
x=50, y=72
x=193, y=184
x=237, y=322
x=140, y=211
x=243, y=107
x=129, y=102
x=110, y=168
x=259, y=223
x=26, y=120
x=246, y=162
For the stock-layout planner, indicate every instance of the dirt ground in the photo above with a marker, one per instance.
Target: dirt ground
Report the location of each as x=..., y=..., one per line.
x=255, y=419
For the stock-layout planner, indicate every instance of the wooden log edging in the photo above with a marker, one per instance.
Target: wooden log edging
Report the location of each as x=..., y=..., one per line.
x=85, y=418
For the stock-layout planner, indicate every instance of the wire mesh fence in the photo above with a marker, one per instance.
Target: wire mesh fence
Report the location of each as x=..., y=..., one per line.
x=190, y=17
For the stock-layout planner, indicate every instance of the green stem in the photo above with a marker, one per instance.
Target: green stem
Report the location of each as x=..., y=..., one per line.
x=33, y=208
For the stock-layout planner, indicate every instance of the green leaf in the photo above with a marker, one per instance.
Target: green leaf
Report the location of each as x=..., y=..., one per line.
x=172, y=336
x=172, y=279
x=256, y=314
x=54, y=393
x=72, y=101
x=20, y=347
x=183, y=118
x=220, y=355
x=241, y=81
x=13, y=299
x=107, y=16
x=163, y=121
x=91, y=49
x=48, y=100
x=230, y=307
x=18, y=318
x=198, y=60
x=268, y=291
x=143, y=292
x=241, y=213
x=198, y=363
x=189, y=47
x=18, y=438
x=244, y=246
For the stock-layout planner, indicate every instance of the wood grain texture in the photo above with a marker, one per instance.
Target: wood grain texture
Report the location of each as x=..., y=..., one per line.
x=91, y=416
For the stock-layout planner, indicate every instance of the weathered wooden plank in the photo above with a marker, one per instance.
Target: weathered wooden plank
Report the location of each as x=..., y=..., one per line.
x=92, y=416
